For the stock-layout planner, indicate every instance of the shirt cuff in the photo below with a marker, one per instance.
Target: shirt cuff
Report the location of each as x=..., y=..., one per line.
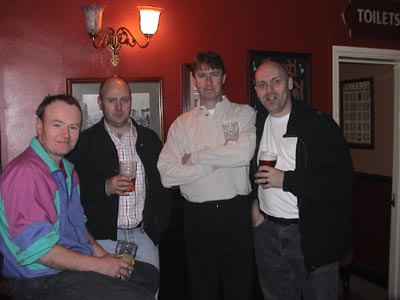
x=105, y=188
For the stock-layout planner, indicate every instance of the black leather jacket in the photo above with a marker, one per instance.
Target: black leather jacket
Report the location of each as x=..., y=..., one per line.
x=322, y=182
x=96, y=159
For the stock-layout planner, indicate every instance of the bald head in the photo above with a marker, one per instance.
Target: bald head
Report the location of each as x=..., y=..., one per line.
x=113, y=82
x=272, y=65
x=115, y=102
x=273, y=86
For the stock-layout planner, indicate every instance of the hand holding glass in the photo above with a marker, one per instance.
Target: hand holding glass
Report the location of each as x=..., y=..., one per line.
x=126, y=250
x=231, y=131
x=267, y=158
x=128, y=169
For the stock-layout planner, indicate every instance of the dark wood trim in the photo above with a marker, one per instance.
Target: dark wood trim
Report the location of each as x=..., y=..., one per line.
x=371, y=197
x=375, y=177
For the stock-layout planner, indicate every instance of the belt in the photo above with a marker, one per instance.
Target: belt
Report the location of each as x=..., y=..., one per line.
x=282, y=221
x=137, y=226
x=239, y=199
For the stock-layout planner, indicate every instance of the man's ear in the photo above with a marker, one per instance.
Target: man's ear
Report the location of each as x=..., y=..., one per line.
x=39, y=127
x=193, y=81
x=99, y=103
x=290, y=83
x=223, y=78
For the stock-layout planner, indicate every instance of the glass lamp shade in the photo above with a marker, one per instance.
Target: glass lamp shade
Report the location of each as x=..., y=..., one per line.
x=149, y=17
x=93, y=18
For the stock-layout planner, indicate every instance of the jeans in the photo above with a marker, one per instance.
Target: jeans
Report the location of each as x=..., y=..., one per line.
x=220, y=249
x=147, y=251
x=74, y=285
x=281, y=269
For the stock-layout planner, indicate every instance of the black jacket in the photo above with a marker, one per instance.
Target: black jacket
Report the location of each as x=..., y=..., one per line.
x=96, y=159
x=322, y=182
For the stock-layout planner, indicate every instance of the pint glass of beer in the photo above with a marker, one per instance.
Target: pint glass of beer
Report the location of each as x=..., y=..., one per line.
x=126, y=250
x=267, y=158
x=128, y=168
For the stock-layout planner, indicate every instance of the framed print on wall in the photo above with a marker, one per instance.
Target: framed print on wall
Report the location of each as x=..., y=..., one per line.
x=147, y=105
x=297, y=66
x=190, y=95
x=357, y=112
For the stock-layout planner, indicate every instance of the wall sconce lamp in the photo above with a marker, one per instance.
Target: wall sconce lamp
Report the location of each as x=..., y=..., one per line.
x=149, y=17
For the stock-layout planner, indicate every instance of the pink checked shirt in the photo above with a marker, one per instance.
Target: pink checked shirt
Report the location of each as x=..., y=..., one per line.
x=130, y=211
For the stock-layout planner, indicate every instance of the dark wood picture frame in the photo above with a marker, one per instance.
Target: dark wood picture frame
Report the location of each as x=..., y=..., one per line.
x=296, y=64
x=190, y=96
x=147, y=104
x=357, y=112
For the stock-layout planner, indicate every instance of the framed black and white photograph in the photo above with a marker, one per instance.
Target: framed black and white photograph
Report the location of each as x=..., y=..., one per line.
x=190, y=95
x=297, y=66
x=357, y=112
x=147, y=105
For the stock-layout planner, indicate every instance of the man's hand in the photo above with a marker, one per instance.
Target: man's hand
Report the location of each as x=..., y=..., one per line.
x=269, y=177
x=118, y=184
x=62, y=258
x=109, y=264
x=112, y=266
x=187, y=159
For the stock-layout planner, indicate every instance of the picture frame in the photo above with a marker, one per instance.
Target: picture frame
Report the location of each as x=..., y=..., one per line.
x=357, y=112
x=190, y=95
x=297, y=66
x=147, y=102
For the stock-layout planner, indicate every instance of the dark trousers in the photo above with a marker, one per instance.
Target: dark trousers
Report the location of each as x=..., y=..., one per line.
x=219, y=245
x=76, y=285
x=281, y=269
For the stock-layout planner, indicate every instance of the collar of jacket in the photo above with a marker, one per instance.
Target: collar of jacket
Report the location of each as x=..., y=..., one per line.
x=296, y=119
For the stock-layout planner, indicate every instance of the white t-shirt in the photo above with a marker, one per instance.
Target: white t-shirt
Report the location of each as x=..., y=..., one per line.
x=275, y=201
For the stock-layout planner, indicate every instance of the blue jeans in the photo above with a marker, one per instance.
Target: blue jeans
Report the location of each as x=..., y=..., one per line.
x=281, y=269
x=76, y=285
x=147, y=251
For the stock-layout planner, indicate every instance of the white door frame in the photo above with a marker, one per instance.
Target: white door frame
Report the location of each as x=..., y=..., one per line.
x=386, y=57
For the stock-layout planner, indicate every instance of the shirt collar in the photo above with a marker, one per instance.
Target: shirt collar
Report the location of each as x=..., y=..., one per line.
x=131, y=131
x=203, y=111
x=42, y=153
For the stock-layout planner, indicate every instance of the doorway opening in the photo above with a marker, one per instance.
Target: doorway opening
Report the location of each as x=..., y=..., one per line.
x=387, y=59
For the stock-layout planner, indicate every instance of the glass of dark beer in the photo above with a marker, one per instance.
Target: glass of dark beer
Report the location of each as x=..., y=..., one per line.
x=267, y=158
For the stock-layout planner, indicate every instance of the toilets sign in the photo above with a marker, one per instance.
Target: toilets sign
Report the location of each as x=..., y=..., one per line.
x=373, y=19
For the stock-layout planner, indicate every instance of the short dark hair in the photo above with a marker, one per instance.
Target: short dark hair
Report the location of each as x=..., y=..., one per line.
x=50, y=99
x=209, y=59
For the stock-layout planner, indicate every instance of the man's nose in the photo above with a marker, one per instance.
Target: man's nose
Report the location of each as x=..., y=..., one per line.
x=119, y=105
x=269, y=88
x=65, y=132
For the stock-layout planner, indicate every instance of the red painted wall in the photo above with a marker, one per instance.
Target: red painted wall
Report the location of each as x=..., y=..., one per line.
x=44, y=42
